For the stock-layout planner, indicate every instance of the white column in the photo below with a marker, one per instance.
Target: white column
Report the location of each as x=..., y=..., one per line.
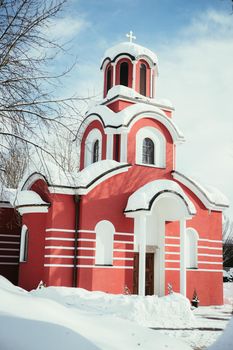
x=183, y=257
x=134, y=75
x=151, y=83
x=124, y=141
x=114, y=74
x=109, y=152
x=142, y=254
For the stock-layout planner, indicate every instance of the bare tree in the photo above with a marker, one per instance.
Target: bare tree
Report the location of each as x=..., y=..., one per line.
x=13, y=162
x=227, y=242
x=28, y=105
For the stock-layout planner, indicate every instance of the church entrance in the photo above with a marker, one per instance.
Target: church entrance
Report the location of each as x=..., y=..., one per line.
x=149, y=287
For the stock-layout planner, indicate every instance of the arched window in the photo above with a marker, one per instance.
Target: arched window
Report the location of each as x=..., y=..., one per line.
x=150, y=147
x=143, y=79
x=95, y=157
x=124, y=73
x=93, y=149
x=109, y=78
x=191, y=248
x=104, y=243
x=148, y=151
x=24, y=244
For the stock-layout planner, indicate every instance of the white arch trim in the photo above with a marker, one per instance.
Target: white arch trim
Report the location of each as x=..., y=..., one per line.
x=116, y=123
x=92, y=137
x=143, y=198
x=159, y=146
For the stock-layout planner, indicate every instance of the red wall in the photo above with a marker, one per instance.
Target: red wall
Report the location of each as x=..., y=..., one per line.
x=9, y=243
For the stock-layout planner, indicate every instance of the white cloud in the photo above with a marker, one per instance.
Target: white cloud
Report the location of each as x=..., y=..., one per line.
x=67, y=27
x=196, y=73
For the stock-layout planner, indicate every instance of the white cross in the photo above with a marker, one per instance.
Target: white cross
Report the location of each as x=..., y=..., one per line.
x=131, y=36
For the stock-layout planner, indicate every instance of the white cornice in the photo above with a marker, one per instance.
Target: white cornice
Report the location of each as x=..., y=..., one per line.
x=201, y=192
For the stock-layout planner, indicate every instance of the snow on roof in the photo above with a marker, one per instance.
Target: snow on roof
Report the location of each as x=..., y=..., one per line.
x=210, y=196
x=135, y=50
x=56, y=176
x=6, y=194
x=132, y=94
x=142, y=198
x=27, y=198
x=94, y=170
x=124, y=118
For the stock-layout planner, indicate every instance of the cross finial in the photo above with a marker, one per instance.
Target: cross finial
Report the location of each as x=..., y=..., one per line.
x=131, y=36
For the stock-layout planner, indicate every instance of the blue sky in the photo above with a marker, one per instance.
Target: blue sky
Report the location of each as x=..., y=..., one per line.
x=194, y=44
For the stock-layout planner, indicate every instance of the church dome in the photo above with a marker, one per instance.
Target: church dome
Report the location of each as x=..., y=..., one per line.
x=130, y=65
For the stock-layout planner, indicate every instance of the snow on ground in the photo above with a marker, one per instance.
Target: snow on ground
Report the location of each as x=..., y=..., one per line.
x=67, y=318
x=58, y=317
x=208, y=325
x=149, y=311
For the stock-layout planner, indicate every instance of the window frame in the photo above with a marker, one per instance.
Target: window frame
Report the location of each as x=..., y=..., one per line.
x=105, y=231
x=23, y=254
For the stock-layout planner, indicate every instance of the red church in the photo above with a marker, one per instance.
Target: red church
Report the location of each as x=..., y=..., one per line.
x=127, y=219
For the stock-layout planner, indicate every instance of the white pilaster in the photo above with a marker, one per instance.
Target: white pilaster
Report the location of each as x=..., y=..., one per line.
x=124, y=141
x=182, y=257
x=109, y=152
x=114, y=74
x=142, y=254
x=134, y=75
x=151, y=83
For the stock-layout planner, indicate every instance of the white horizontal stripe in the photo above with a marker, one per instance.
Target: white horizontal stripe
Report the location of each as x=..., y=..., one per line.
x=86, y=248
x=172, y=245
x=90, y=266
x=58, y=239
x=9, y=256
x=213, y=255
x=124, y=250
x=59, y=230
x=7, y=242
x=58, y=247
x=80, y=257
x=58, y=265
x=125, y=242
x=16, y=236
x=86, y=240
x=175, y=237
x=210, y=240
x=10, y=249
x=106, y=267
x=214, y=248
x=66, y=230
x=59, y=256
x=8, y=263
x=207, y=270
x=69, y=256
x=172, y=260
x=176, y=253
x=210, y=262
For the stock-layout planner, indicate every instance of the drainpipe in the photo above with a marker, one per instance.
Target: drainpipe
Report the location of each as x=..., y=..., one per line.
x=77, y=199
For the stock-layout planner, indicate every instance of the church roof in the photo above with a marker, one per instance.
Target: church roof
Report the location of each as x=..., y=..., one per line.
x=135, y=51
x=211, y=197
x=129, y=93
x=143, y=198
x=76, y=182
x=124, y=119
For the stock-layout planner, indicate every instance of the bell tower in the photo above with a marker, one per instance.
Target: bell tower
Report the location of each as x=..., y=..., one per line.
x=130, y=65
